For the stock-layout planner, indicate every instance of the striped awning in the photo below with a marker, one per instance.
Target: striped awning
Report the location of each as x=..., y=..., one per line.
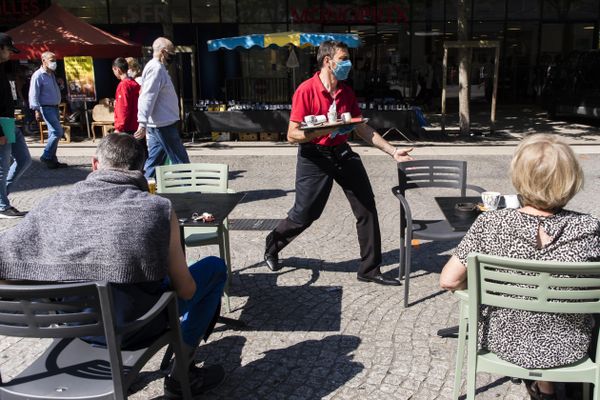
x=281, y=39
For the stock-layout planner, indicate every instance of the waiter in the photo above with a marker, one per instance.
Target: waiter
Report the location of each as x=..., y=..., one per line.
x=324, y=156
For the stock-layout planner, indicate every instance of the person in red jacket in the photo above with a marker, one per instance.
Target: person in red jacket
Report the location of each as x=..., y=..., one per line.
x=126, y=98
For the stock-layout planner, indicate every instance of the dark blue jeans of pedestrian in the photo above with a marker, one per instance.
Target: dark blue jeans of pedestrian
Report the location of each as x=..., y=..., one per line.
x=163, y=142
x=55, y=132
x=14, y=160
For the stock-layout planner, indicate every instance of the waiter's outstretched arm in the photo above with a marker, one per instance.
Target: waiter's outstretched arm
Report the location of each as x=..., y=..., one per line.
x=371, y=136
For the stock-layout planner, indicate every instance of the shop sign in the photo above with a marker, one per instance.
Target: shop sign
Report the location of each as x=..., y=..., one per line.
x=392, y=14
x=81, y=83
x=12, y=11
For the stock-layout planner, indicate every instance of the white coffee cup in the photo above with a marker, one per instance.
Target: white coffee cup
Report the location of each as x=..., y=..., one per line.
x=346, y=117
x=320, y=119
x=490, y=200
x=511, y=201
x=310, y=120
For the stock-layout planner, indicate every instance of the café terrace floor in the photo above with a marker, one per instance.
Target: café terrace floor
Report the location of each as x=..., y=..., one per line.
x=313, y=331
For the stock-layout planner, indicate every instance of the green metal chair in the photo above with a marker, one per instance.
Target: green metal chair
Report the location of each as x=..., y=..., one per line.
x=541, y=286
x=206, y=178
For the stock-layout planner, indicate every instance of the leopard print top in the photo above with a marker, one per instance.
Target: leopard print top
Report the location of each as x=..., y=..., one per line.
x=534, y=340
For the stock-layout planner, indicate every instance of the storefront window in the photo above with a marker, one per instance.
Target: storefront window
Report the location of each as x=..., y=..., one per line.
x=428, y=10
x=393, y=60
x=228, y=12
x=258, y=11
x=489, y=9
x=427, y=52
x=91, y=11
x=205, y=11
x=136, y=11
x=570, y=9
x=523, y=9
x=452, y=7
x=180, y=10
x=523, y=78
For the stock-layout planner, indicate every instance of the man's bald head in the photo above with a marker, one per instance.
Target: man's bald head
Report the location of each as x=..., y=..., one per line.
x=161, y=44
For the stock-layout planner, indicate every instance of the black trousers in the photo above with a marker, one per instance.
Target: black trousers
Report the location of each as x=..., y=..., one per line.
x=316, y=169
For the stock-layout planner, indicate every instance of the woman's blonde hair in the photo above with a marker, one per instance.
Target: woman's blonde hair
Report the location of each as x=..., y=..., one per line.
x=545, y=172
x=134, y=66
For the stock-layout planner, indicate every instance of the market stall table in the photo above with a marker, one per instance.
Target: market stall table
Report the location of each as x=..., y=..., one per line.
x=256, y=121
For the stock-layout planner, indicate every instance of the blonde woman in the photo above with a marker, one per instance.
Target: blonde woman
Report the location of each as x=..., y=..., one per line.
x=134, y=71
x=546, y=174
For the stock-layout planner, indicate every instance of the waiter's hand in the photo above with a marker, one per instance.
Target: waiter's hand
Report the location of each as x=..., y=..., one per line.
x=140, y=133
x=2, y=140
x=401, y=155
x=38, y=116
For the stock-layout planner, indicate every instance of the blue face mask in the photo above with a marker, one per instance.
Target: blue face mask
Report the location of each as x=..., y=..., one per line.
x=342, y=69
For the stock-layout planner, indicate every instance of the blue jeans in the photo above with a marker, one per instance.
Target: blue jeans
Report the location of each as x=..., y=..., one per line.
x=163, y=142
x=55, y=131
x=197, y=313
x=11, y=172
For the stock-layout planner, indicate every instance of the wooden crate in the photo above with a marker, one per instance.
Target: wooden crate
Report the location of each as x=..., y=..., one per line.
x=269, y=137
x=248, y=137
x=220, y=136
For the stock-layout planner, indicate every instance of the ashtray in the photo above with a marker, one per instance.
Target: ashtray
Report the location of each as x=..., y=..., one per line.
x=465, y=207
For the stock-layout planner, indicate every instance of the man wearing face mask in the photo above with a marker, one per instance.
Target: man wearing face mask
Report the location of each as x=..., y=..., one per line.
x=44, y=98
x=324, y=156
x=158, y=110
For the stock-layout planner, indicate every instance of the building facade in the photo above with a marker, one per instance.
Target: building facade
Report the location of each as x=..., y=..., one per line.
x=401, y=40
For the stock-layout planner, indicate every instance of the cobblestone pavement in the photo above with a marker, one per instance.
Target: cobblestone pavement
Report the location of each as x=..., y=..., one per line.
x=313, y=330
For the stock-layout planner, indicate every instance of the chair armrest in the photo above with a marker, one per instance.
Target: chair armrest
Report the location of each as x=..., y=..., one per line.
x=408, y=214
x=476, y=188
x=462, y=295
x=152, y=313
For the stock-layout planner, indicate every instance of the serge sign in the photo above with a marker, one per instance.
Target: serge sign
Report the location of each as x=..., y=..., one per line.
x=81, y=84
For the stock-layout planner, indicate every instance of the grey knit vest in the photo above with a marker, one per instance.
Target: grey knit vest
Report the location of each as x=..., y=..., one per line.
x=107, y=227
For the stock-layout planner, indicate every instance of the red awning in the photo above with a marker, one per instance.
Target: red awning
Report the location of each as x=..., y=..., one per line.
x=64, y=34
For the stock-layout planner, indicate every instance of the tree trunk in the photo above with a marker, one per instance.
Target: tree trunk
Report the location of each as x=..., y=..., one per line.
x=464, y=61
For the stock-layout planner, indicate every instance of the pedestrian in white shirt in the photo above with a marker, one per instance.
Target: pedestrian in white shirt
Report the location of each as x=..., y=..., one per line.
x=158, y=110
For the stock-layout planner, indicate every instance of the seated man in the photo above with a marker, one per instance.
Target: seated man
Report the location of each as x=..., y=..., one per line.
x=108, y=227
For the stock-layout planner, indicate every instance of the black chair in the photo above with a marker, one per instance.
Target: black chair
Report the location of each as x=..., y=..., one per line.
x=72, y=368
x=426, y=174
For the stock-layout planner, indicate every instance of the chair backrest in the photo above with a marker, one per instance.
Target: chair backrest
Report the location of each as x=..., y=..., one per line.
x=53, y=311
x=538, y=286
x=103, y=112
x=195, y=177
x=432, y=174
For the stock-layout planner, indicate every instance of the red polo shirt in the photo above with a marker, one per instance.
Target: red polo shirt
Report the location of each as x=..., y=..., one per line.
x=311, y=98
x=126, y=105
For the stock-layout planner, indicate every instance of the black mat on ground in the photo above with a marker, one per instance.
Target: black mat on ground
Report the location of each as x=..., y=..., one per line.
x=253, y=224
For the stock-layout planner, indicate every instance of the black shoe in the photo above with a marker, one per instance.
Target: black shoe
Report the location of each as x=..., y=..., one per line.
x=53, y=164
x=380, y=279
x=272, y=262
x=202, y=380
x=12, y=212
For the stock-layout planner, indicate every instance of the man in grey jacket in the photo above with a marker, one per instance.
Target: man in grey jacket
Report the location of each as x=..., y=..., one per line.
x=158, y=110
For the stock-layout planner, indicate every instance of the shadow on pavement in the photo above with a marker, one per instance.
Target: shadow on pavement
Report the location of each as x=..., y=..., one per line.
x=37, y=176
x=310, y=369
x=317, y=309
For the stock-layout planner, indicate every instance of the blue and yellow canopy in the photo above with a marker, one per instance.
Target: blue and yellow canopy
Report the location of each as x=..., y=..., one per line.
x=281, y=39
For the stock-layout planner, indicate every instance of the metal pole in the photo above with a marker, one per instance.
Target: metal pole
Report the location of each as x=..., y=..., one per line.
x=495, y=92
x=444, y=82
